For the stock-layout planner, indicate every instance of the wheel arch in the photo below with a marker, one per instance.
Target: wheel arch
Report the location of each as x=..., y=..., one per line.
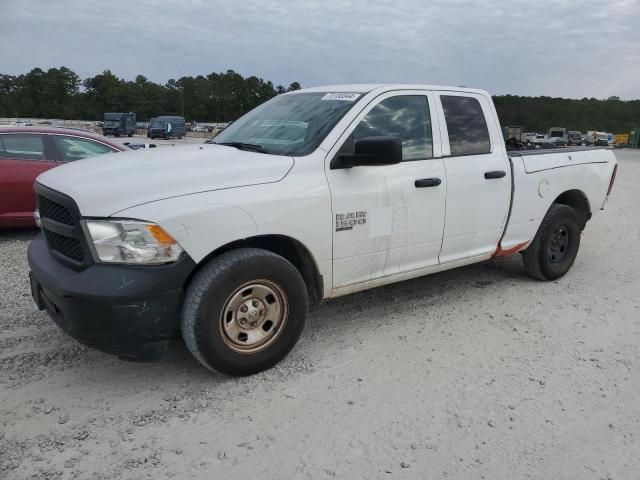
x=577, y=200
x=287, y=247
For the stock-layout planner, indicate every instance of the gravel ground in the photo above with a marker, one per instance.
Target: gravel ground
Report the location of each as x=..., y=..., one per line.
x=478, y=372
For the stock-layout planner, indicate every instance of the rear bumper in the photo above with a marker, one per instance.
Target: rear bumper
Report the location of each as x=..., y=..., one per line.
x=129, y=311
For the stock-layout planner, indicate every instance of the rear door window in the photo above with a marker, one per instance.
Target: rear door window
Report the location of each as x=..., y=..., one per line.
x=466, y=124
x=22, y=146
x=73, y=148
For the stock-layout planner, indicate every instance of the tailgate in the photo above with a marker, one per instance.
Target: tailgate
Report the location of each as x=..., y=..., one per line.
x=540, y=160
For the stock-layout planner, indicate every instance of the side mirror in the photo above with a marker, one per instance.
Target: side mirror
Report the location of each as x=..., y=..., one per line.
x=370, y=151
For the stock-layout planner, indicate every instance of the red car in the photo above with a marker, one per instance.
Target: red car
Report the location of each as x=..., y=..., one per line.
x=26, y=152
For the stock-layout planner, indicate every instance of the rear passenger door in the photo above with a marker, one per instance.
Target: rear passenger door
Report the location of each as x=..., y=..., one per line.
x=478, y=176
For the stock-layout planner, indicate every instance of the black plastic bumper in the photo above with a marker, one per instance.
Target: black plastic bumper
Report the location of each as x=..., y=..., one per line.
x=129, y=311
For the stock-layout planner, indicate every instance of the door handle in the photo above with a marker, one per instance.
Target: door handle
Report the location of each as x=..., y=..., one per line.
x=495, y=174
x=427, y=182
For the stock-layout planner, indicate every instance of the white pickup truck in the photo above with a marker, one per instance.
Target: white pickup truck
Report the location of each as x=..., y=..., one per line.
x=315, y=194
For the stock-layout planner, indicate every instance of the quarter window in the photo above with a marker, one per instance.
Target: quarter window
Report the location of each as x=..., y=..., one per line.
x=467, y=127
x=21, y=146
x=72, y=148
x=405, y=117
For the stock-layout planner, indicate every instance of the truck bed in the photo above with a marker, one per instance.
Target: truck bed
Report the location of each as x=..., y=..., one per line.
x=545, y=159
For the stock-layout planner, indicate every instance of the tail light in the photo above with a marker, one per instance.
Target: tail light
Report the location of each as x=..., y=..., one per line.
x=613, y=179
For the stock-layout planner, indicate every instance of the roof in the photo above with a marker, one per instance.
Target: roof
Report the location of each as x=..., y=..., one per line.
x=383, y=87
x=60, y=131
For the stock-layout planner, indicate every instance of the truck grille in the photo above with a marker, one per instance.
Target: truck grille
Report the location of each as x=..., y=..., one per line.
x=55, y=211
x=69, y=247
x=61, y=226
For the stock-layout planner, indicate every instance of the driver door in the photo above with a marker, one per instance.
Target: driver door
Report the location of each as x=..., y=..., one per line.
x=389, y=219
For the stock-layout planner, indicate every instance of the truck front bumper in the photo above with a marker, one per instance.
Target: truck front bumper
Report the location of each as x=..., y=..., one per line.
x=129, y=311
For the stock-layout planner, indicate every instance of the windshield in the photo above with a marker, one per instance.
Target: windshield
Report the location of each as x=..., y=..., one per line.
x=157, y=123
x=293, y=124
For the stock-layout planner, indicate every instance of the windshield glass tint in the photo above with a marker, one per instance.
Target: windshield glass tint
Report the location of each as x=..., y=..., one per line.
x=293, y=124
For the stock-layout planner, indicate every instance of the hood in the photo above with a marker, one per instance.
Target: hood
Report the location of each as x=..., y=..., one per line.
x=107, y=184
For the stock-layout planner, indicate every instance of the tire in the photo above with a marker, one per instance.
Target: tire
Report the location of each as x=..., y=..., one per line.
x=555, y=246
x=116, y=134
x=220, y=292
x=130, y=134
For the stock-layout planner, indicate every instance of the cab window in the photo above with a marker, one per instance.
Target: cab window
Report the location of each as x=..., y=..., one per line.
x=467, y=127
x=73, y=148
x=22, y=146
x=405, y=117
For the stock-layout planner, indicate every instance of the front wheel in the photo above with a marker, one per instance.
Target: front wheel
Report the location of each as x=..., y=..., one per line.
x=244, y=311
x=555, y=246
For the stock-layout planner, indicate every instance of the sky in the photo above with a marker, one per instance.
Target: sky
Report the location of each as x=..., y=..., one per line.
x=557, y=48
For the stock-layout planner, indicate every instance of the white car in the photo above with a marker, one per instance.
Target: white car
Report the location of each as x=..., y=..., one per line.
x=316, y=193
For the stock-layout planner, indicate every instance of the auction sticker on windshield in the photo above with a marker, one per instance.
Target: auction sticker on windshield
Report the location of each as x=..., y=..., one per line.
x=345, y=96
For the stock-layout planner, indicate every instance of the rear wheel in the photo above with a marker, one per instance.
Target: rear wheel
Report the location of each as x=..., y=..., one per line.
x=244, y=311
x=555, y=246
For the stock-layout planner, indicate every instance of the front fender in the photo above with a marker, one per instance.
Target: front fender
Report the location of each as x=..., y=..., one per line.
x=199, y=228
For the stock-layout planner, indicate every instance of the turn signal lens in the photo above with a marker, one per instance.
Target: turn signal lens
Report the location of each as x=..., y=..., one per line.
x=160, y=235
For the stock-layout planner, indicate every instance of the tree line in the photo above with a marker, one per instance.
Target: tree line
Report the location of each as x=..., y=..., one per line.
x=537, y=114
x=225, y=96
x=60, y=93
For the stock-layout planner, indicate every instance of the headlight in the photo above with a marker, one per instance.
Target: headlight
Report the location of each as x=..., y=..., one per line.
x=130, y=241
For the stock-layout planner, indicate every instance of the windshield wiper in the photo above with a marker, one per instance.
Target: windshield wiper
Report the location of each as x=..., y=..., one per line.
x=244, y=146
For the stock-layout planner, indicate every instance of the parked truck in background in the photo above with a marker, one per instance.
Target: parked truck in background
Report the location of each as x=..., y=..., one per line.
x=556, y=132
x=118, y=124
x=314, y=194
x=528, y=137
x=167, y=127
x=538, y=140
x=512, y=133
x=512, y=136
x=621, y=140
x=574, y=138
x=597, y=138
